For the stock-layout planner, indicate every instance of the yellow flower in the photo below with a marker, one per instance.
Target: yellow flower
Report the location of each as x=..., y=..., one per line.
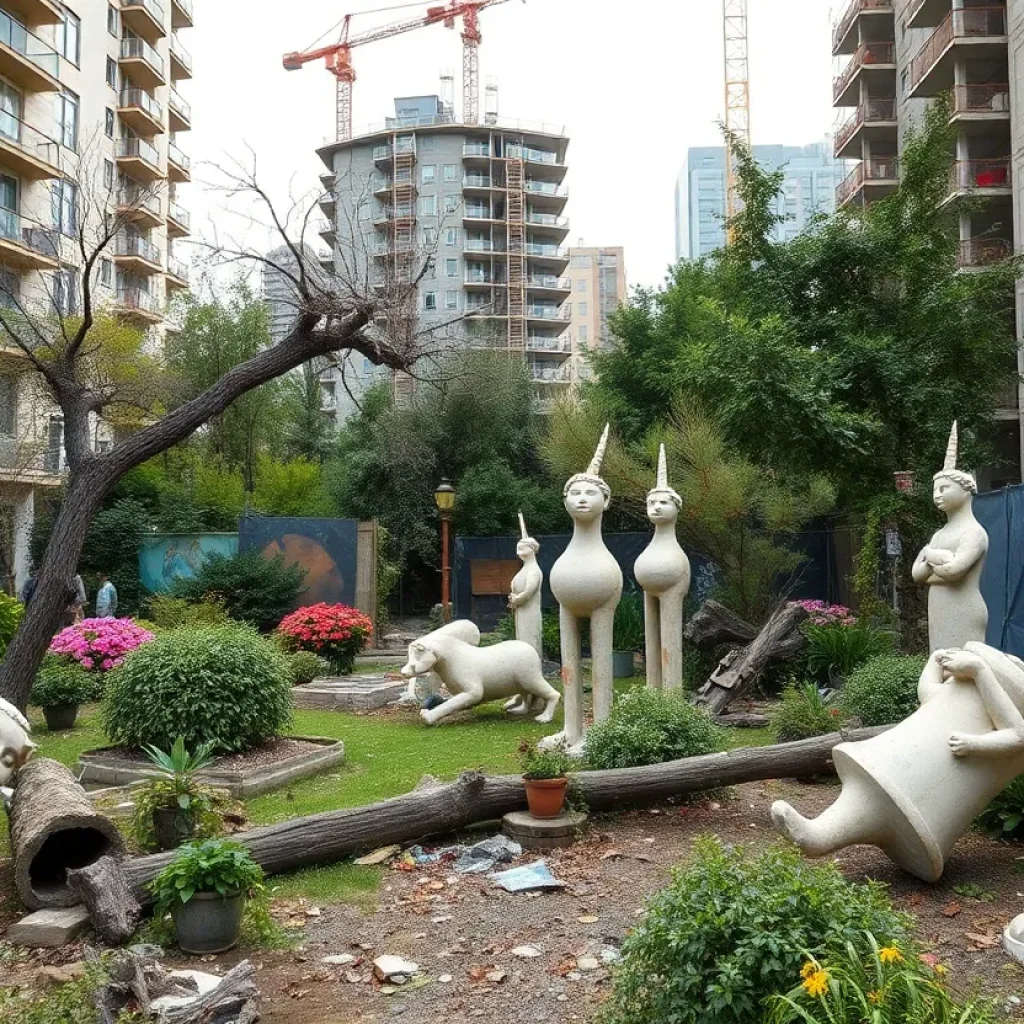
x=874, y=997
x=816, y=983
x=889, y=955
x=941, y=970
x=808, y=969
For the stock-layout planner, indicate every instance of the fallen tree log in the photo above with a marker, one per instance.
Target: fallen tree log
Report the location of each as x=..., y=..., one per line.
x=713, y=624
x=54, y=828
x=322, y=838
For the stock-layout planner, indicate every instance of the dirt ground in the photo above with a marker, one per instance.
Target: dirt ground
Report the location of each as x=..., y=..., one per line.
x=461, y=930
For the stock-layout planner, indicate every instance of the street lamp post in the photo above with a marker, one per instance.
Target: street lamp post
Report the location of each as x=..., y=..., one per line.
x=444, y=499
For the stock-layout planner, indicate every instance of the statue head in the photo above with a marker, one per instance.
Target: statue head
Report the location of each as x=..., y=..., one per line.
x=663, y=503
x=952, y=488
x=526, y=545
x=586, y=495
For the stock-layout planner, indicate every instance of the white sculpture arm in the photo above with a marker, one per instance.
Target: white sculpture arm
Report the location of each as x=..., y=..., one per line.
x=930, y=683
x=971, y=548
x=997, y=693
x=921, y=570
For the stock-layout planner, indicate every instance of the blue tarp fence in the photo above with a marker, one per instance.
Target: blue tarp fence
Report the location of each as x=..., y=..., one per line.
x=1002, y=580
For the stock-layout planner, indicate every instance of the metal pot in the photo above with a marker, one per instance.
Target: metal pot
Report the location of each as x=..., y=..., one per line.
x=172, y=826
x=60, y=716
x=209, y=922
x=622, y=664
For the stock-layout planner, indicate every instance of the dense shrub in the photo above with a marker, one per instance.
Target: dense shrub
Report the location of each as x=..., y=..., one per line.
x=11, y=613
x=803, y=713
x=836, y=650
x=306, y=666
x=224, y=684
x=171, y=612
x=883, y=690
x=651, y=726
x=99, y=645
x=252, y=588
x=732, y=929
x=334, y=631
x=1004, y=816
x=64, y=682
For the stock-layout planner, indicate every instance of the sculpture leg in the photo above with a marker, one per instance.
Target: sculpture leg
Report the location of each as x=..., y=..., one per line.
x=460, y=702
x=672, y=639
x=602, y=677
x=652, y=641
x=572, y=676
x=847, y=822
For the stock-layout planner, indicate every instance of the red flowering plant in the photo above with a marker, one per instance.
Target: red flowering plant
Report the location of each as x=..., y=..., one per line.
x=334, y=631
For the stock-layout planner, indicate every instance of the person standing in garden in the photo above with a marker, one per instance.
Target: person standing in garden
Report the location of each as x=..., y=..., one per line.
x=106, y=599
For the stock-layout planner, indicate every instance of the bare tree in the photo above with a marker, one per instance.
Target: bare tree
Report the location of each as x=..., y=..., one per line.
x=343, y=313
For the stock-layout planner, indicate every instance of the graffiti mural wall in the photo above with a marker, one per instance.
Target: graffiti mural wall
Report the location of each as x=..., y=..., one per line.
x=163, y=557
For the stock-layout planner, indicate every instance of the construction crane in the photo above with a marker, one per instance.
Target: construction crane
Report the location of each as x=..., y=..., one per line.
x=338, y=56
x=737, y=95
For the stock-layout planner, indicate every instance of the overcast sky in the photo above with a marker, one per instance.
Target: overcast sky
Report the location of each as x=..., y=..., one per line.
x=635, y=84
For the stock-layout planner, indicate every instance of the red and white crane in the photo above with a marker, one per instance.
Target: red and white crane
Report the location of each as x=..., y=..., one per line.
x=338, y=56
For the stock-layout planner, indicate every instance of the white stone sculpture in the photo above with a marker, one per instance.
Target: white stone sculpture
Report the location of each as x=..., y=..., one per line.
x=473, y=675
x=587, y=584
x=915, y=789
x=427, y=685
x=525, y=598
x=663, y=572
x=15, y=745
x=950, y=566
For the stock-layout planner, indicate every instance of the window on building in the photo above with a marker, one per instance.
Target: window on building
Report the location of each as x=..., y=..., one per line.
x=451, y=236
x=427, y=143
x=10, y=111
x=67, y=119
x=65, y=291
x=451, y=172
x=112, y=73
x=8, y=404
x=108, y=174
x=9, y=225
x=451, y=202
x=428, y=206
x=581, y=262
x=568, y=310
x=582, y=333
x=430, y=301
x=108, y=124
x=107, y=273
x=69, y=38
x=65, y=206
x=581, y=284
x=582, y=309
x=451, y=299
x=114, y=21
x=428, y=174
x=451, y=268
x=430, y=236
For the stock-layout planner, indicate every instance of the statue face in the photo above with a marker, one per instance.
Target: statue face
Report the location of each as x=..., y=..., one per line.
x=948, y=495
x=584, y=502
x=661, y=508
x=524, y=549
x=421, y=660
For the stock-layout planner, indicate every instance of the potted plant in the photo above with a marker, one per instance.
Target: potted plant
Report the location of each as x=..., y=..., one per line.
x=627, y=634
x=205, y=889
x=59, y=689
x=546, y=776
x=168, y=809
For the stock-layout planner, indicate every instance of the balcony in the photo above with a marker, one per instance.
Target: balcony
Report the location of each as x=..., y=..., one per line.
x=546, y=188
x=390, y=214
x=548, y=343
x=975, y=253
x=548, y=252
x=181, y=60
x=478, y=213
x=141, y=112
x=553, y=221
x=873, y=62
x=326, y=230
x=177, y=275
x=478, y=245
x=541, y=373
x=980, y=105
x=549, y=282
x=139, y=304
x=844, y=35
x=139, y=206
x=328, y=204
x=976, y=33
x=139, y=159
x=179, y=220
x=181, y=14
x=477, y=181
x=142, y=64
x=179, y=166
x=25, y=59
x=980, y=178
x=874, y=120
x=535, y=312
x=870, y=179
x=27, y=151
x=26, y=244
x=137, y=255
x=180, y=111
x=926, y=13
x=145, y=18
x=476, y=151
x=529, y=154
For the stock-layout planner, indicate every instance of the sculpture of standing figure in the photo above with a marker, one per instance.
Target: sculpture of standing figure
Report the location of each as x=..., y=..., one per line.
x=587, y=583
x=525, y=598
x=951, y=563
x=663, y=572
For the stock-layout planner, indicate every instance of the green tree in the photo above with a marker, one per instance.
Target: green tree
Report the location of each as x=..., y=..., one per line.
x=306, y=433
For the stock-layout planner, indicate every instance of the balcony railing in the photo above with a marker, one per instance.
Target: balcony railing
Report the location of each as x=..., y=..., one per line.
x=14, y=35
x=14, y=131
x=537, y=156
x=540, y=372
x=963, y=23
x=981, y=99
x=478, y=213
x=176, y=268
x=28, y=233
x=138, y=149
x=982, y=252
x=134, y=245
x=979, y=175
x=476, y=181
x=144, y=101
x=176, y=156
x=186, y=6
x=546, y=188
x=865, y=55
x=853, y=8
x=481, y=279
x=156, y=12
x=878, y=168
x=179, y=51
x=139, y=199
x=550, y=220
x=478, y=245
x=547, y=313
x=549, y=281
x=536, y=249
x=400, y=212
x=178, y=105
x=139, y=49
x=179, y=214
x=476, y=149
x=137, y=298
x=869, y=112
x=546, y=343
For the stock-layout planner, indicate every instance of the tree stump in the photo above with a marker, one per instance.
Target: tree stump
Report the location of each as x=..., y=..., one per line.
x=104, y=890
x=54, y=828
x=713, y=624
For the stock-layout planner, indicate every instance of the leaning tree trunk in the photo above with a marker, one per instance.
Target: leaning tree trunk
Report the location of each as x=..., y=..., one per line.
x=322, y=838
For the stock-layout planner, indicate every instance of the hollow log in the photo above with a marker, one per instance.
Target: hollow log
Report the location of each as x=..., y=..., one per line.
x=322, y=838
x=736, y=674
x=54, y=828
x=713, y=624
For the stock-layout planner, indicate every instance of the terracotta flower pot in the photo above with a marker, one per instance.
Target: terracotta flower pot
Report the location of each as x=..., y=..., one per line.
x=545, y=797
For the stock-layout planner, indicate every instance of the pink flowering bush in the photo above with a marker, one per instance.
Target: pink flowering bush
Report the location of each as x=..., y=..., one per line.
x=334, y=631
x=99, y=645
x=822, y=614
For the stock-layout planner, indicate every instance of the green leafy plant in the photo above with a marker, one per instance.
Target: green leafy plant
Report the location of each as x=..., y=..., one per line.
x=226, y=685
x=73, y=1002
x=306, y=666
x=628, y=626
x=836, y=650
x=545, y=764
x=730, y=930
x=880, y=985
x=649, y=726
x=251, y=588
x=64, y=682
x=883, y=690
x=973, y=891
x=803, y=713
x=171, y=612
x=11, y=613
x=1004, y=816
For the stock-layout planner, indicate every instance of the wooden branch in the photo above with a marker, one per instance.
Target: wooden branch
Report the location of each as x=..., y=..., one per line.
x=103, y=889
x=322, y=838
x=713, y=624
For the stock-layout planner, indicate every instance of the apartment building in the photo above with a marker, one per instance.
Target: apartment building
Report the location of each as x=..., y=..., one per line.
x=809, y=187
x=597, y=277
x=484, y=204
x=90, y=120
x=899, y=55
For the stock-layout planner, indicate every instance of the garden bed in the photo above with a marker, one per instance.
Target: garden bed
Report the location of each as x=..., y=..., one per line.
x=355, y=692
x=270, y=766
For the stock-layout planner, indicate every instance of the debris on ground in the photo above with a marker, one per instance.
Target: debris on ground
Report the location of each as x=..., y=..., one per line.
x=394, y=969
x=483, y=856
x=527, y=878
x=379, y=856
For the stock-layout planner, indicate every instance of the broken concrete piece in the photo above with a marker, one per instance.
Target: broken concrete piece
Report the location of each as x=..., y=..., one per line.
x=588, y=963
x=394, y=969
x=379, y=856
x=338, y=960
x=49, y=929
x=526, y=952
